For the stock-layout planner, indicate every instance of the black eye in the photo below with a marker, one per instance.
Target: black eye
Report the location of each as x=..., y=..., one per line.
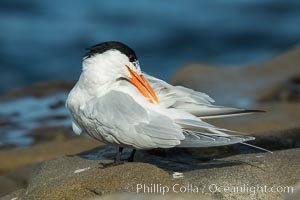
x=136, y=63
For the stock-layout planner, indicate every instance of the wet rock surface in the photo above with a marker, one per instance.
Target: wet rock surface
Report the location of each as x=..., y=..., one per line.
x=41, y=169
x=27, y=112
x=38, y=90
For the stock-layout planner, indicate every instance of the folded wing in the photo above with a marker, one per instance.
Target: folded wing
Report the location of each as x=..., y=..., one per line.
x=198, y=139
x=118, y=118
x=196, y=103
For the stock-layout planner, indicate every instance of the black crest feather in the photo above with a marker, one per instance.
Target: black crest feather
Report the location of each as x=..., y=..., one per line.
x=105, y=46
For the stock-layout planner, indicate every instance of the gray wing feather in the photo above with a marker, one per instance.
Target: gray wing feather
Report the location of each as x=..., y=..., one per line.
x=194, y=102
x=213, y=111
x=197, y=139
x=129, y=123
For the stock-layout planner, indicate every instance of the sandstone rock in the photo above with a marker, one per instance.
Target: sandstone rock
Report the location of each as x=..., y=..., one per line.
x=62, y=178
x=126, y=196
x=78, y=177
x=295, y=194
x=16, y=180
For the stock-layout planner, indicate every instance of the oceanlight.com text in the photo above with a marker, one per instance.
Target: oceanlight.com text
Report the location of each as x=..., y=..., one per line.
x=210, y=188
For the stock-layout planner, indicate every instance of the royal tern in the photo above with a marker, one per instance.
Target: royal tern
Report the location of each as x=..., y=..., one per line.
x=118, y=104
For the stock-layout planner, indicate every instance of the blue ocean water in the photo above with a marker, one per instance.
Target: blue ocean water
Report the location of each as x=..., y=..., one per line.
x=44, y=40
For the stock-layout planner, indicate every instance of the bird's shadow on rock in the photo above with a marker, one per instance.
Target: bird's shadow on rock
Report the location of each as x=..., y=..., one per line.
x=174, y=159
x=187, y=159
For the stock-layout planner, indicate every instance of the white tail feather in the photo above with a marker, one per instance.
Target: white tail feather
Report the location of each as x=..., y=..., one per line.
x=256, y=147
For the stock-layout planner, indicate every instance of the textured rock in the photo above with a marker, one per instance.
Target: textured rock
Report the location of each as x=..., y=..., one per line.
x=295, y=194
x=16, y=180
x=252, y=171
x=126, y=196
x=58, y=179
x=78, y=177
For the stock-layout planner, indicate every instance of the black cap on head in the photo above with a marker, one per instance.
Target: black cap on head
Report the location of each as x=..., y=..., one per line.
x=105, y=46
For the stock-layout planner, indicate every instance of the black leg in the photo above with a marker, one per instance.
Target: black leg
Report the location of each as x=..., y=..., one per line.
x=130, y=159
x=118, y=157
x=117, y=160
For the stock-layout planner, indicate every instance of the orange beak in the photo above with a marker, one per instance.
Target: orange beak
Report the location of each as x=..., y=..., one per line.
x=143, y=86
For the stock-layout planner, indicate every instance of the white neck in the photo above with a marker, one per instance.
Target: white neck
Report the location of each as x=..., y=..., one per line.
x=101, y=70
x=99, y=75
